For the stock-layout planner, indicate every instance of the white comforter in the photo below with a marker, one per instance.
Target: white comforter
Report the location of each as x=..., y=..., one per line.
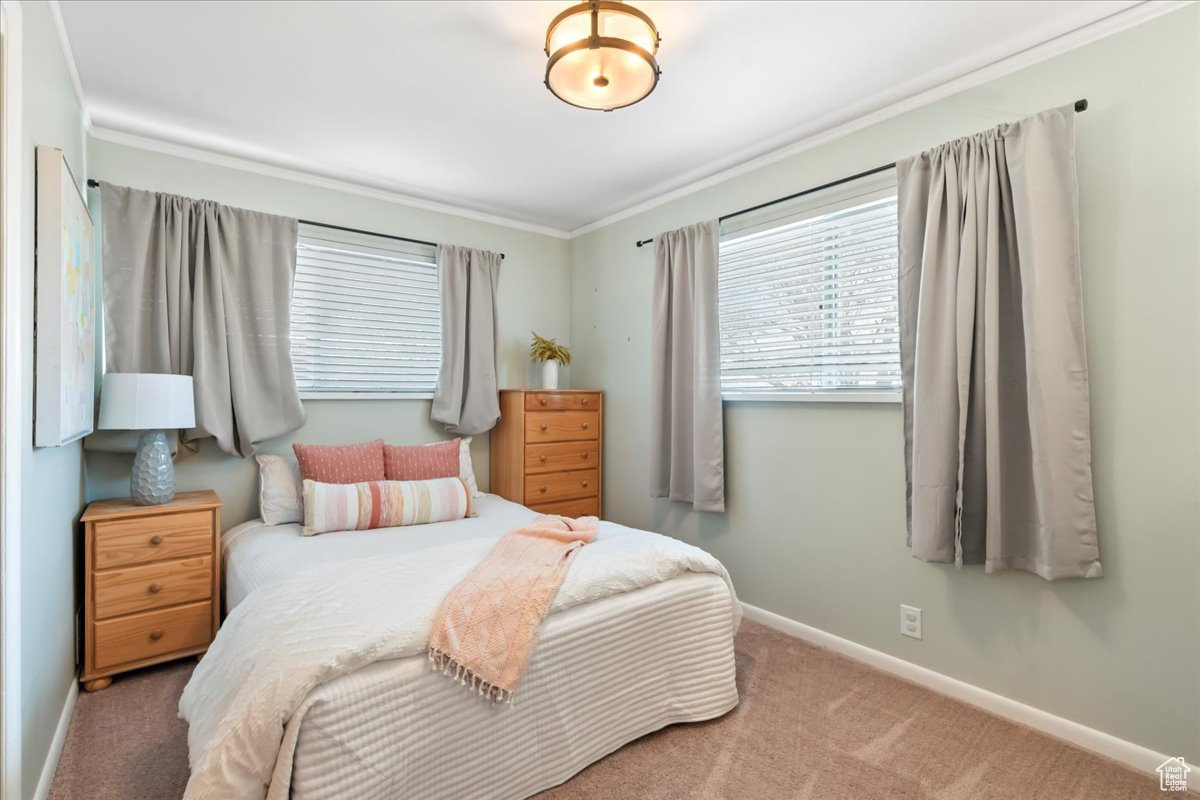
x=297, y=633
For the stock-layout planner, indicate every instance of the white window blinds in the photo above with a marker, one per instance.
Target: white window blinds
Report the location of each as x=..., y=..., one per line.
x=808, y=297
x=366, y=317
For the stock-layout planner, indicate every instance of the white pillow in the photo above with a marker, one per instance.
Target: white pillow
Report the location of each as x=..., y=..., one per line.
x=280, y=492
x=465, y=470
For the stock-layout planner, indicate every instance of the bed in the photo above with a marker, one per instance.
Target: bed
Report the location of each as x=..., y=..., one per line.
x=604, y=673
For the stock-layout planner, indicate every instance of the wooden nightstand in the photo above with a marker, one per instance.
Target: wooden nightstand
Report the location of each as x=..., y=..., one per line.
x=152, y=583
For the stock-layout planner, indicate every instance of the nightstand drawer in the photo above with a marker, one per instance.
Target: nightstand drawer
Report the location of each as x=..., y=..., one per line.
x=127, y=639
x=562, y=486
x=561, y=426
x=560, y=456
x=153, y=538
x=560, y=401
x=167, y=583
x=585, y=507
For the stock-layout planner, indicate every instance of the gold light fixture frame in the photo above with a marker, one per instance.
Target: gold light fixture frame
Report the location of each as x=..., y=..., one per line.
x=595, y=42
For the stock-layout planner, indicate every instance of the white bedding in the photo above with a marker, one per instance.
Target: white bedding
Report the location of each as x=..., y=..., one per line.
x=611, y=666
x=256, y=554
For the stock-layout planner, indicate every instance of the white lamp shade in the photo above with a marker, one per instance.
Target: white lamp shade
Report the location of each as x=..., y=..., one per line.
x=139, y=401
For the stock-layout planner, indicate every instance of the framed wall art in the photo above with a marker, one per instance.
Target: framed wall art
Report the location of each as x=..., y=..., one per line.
x=65, y=330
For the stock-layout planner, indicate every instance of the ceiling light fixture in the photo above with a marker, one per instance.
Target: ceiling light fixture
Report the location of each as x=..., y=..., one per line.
x=601, y=55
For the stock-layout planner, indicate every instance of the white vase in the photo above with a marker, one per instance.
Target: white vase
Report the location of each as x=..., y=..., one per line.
x=549, y=374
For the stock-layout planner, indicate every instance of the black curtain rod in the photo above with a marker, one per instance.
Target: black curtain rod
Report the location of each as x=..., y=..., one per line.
x=1080, y=106
x=94, y=184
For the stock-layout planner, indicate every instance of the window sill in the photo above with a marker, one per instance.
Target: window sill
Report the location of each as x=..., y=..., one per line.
x=366, y=395
x=812, y=397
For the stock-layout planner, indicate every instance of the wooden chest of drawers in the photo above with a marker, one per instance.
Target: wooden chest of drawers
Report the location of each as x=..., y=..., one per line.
x=547, y=450
x=152, y=588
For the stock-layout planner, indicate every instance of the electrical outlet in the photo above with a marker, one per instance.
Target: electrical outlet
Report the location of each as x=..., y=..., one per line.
x=910, y=621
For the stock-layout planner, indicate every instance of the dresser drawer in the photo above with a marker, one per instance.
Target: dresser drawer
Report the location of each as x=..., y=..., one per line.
x=560, y=456
x=153, y=538
x=561, y=426
x=583, y=507
x=154, y=633
x=561, y=401
x=167, y=583
x=562, y=486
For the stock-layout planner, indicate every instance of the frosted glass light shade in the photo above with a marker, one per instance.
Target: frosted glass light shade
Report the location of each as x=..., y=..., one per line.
x=601, y=55
x=137, y=401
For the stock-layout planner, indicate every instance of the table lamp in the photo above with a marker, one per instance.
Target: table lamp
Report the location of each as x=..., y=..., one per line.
x=138, y=401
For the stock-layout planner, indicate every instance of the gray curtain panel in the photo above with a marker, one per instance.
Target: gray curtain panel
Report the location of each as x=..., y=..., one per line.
x=687, y=444
x=196, y=288
x=467, y=398
x=996, y=421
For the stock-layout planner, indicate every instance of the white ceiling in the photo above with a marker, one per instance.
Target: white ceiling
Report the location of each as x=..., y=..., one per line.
x=444, y=101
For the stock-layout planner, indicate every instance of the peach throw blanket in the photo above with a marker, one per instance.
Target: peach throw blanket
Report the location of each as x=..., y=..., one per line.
x=485, y=630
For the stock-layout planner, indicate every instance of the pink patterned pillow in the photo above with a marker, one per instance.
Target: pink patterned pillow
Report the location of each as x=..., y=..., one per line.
x=340, y=463
x=421, y=462
x=383, y=504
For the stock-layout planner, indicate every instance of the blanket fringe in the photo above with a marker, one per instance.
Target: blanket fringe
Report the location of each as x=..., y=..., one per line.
x=445, y=664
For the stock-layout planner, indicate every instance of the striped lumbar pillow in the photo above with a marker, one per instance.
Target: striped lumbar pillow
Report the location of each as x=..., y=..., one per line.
x=383, y=504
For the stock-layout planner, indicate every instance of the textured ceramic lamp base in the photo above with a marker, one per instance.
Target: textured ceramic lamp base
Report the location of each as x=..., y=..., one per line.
x=153, y=479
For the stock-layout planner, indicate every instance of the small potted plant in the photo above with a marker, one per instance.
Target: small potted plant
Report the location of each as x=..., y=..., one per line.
x=549, y=354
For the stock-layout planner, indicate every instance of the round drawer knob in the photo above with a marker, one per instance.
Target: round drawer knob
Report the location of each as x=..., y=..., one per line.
x=155, y=588
x=544, y=401
x=156, y=539
x=583, y=484
x=586, y=425
x=583, y=402
x=583, y=455
x=156, y=634
x=543, y=429
x=542, y=489
x=542, y=459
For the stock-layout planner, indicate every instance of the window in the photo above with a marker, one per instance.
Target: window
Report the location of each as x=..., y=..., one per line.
x=808, y=298
x=366, y=316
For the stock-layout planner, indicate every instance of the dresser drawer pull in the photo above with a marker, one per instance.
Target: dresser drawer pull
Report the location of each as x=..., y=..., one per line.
x=583, y=456
x=156, y=634
x=543, y=429
x=542, y=459
x=545, y=401
x=542, y=488
x=156, y=539
x=583, y=402
x=583, y=484
x=155, y=588
x=586, y=425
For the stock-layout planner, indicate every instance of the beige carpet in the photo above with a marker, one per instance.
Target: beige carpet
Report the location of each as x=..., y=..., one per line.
x=811, y=725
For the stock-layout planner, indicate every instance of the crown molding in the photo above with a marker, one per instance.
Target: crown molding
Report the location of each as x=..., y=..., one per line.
x=1094, y=31
x=312, y=174
x=308, y=174
x=64, y=42
x=310, y=178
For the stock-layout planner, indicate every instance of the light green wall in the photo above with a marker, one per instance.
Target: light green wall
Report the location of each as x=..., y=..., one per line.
x=533, y=294
x=815, y=528
x=51, y=477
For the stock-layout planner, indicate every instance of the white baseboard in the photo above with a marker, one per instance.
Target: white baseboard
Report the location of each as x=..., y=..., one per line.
x=56, y=744
x=1133, y=755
